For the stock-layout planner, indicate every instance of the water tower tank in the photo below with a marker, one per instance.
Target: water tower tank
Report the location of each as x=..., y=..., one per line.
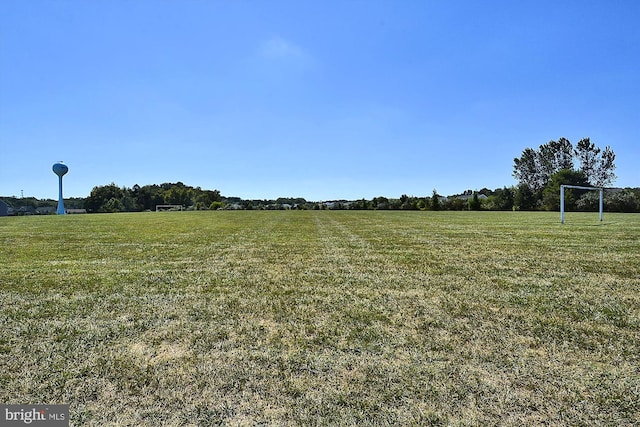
x=60, y=169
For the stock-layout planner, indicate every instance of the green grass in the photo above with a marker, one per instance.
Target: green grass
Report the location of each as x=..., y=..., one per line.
x=323, y=318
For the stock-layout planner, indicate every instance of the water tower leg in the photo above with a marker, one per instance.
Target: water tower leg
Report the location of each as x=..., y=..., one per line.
x=61, y=210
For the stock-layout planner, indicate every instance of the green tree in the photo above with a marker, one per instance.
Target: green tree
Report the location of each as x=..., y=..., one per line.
x=362, y=204
x=527, y=170
x=127, y=200
x=551, y=194
x=503, y=199
x=380, y=203
x=101, y=195
x=474, y=202
x=554, y=156
x=435, y=201
x=605, y=175
x=206, y=197
x=524, y=198
x=535, y=167
x=454, y=204
x=596, y=164
x=148, y=196
x=623, y=201
x=113, y=205
x=178, y=195
x=587, y=153
x=408, y=202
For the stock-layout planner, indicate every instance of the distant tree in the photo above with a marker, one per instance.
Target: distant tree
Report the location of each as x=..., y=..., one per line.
x=423, y=203
x=474, y=202
x=395, y=204
x=405, y=202
x=589, y=201
x=614, y=201
x=205, y=197
x=178, y=195
x=127, y=200
x=624, y=201
x=454, y=204
x=435, y=201
x=503, y=198
x=408, y=202
x=524, y=198
x=361, y=204
x=380, y=203
x=102, y=199
x=113, y=205
x=148, y=196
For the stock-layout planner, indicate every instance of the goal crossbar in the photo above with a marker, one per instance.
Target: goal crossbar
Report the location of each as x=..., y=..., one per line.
x=578, y=187
x=168, y=207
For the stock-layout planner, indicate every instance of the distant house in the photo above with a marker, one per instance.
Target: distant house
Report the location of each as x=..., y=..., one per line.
x=76, y=211
x=470, y=196
x=22, y=210
x=46, y=210
x=4, y=209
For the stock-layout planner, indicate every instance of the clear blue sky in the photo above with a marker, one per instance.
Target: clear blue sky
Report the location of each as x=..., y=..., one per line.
x=316, y=99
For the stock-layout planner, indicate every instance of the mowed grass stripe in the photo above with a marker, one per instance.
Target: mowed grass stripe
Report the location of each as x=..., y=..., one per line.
x=323, y=317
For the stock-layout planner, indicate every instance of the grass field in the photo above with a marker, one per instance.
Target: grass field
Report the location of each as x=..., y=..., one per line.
x=323, y=318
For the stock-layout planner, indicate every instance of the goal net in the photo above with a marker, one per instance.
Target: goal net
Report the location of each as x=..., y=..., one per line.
x=562, y=187
x=165, y=208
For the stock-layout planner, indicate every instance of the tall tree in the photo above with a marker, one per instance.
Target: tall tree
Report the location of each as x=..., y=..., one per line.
x=536, y=167
x=527, y=171
x=604, y=174
x=556, y=155
x=435, y=201
x=587, y=154
x=596, y=164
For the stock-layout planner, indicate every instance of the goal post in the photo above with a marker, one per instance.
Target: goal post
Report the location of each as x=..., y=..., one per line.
x=562, y=187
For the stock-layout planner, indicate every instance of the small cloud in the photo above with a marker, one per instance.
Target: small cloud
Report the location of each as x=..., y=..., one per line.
x=277, y=47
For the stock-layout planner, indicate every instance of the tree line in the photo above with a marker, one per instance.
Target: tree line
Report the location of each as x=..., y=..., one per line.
x=539, y=172
x=111, y=198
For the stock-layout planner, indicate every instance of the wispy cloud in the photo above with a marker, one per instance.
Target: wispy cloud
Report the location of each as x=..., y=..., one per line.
x=279, y=48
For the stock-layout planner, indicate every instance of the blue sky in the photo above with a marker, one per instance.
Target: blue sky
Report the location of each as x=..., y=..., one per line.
x=316, y=99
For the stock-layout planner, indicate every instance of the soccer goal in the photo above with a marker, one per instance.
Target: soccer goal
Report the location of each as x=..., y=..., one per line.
x=165, y=208
x=562, y=187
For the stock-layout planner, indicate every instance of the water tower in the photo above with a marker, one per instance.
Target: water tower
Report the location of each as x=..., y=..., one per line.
x=60, y=169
